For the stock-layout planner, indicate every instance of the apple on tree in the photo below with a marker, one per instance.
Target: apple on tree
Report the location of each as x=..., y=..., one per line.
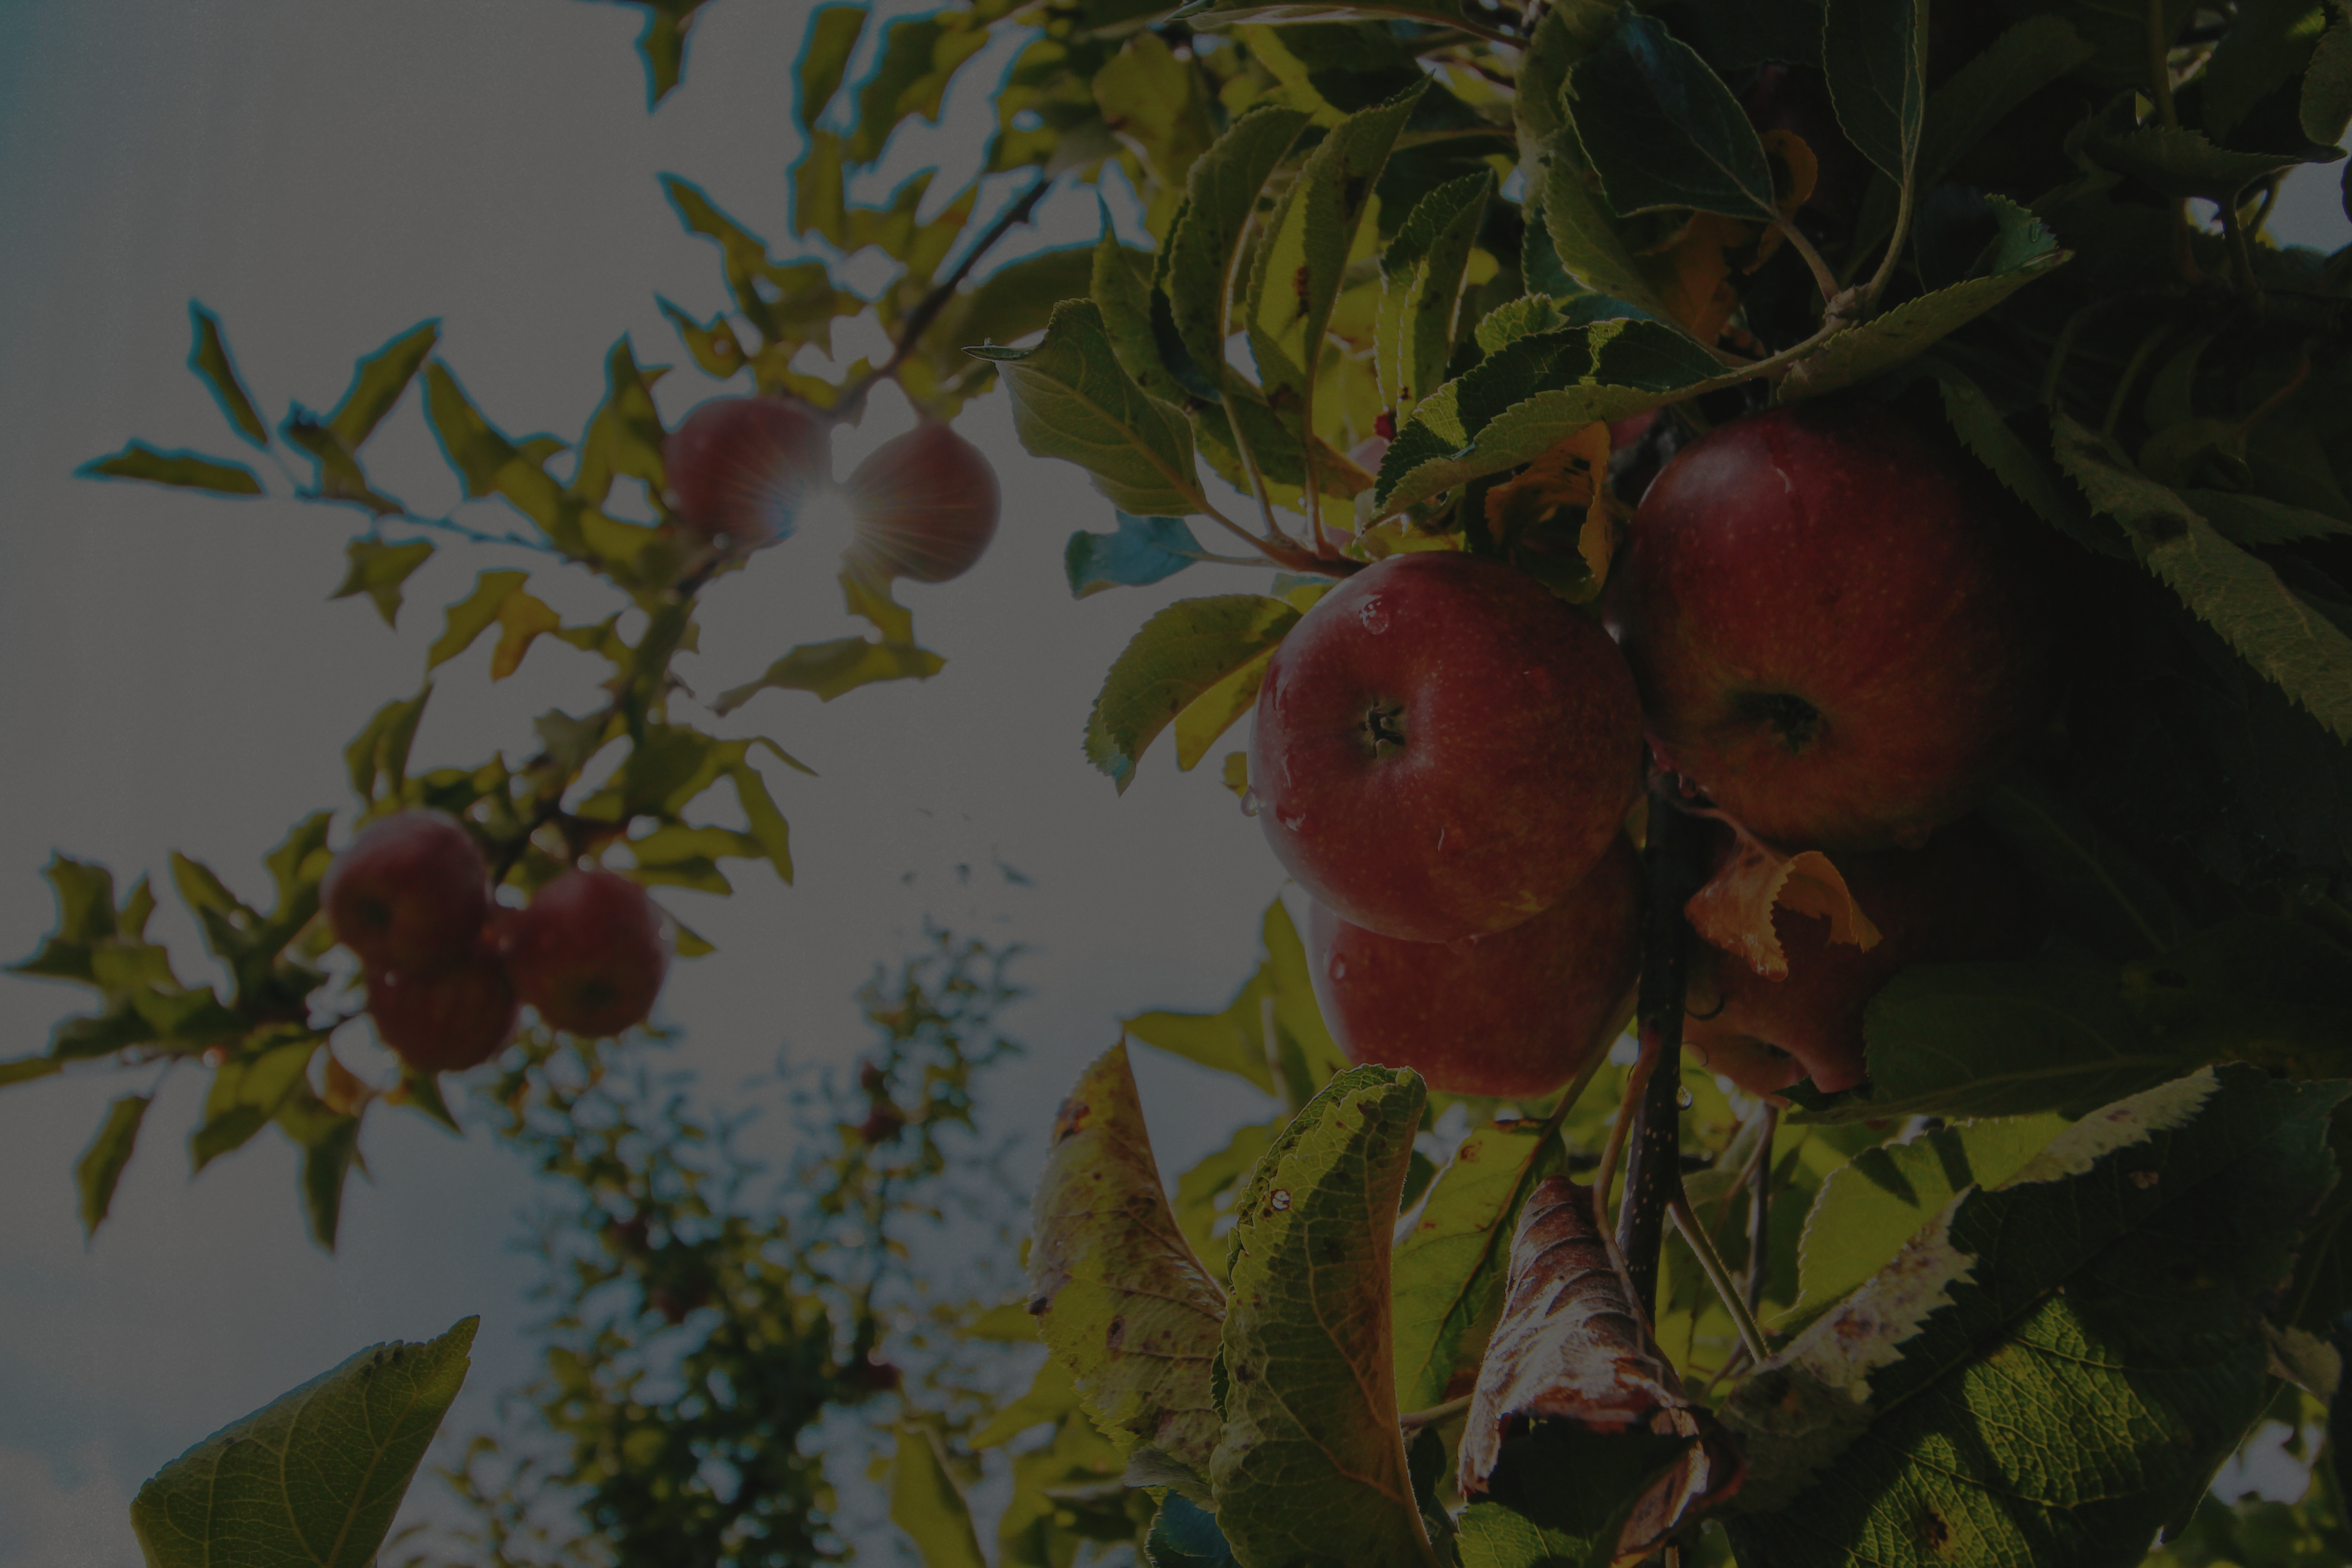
x=1962, y=898
x=1442, y=749
x=925, y=505
x=445, y=1020
x=411, y=893
x=740, y=468
x=1841, y=625
x=1513, y=1013
x=589, y=952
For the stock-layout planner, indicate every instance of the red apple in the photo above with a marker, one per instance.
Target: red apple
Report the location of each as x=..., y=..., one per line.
x=739, y=469
x=1514, y=1014
x=448, y=1020
x=1964, y=899
x=1442, y=749
x=589, y=952
x=925, y=504
x=1841, y=625
x=411, y=894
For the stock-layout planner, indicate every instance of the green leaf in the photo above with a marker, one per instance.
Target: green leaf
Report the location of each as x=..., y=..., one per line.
x=1421, y=284
x=2292, y=644
x=1051, y=1396
x=1218, y=1176
x=377, y=383
x=315, y=1475
x=1071, y=399
x=1180, y=655
x=100, y=1165
x=1515, y=405
x=1118, y=1293
x=379, y=569
x=2054, y=1366
x=1310, y=1467
x=475, y=614
x=1448, y=1276
x=188, y=471
x=1663, y=130
x=25, y=1069
x=831, y=668
x=208, y=356
x=1874, y=53
x=2021, y=251
x=1142, y=550
x=832, y=34
x=920, y=55
x=1296, y=273
x=329, y=1142
x=2007, y=1039
x=2255, y=522
x=662, y=44
x=1221, y=193
x=926, y=1505
x=767, y=824
x=246, y=1093
x=487, y=463
x=336, y=474
x=1868, y=1208
x=1185, y=1535
x=379, y=751
x=2099, y=893
x=2178, y=163
x=2027, y=473
x=84, y=892
x=624, y=438
x=2326, y=103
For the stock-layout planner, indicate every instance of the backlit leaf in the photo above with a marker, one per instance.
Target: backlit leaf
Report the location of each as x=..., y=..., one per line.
x=1180, y=655
x=522, y=620
x=831, y=668
x=919, y=56
x=1222, y=190
x=662, y=44
x=1120, y=1297
x=2180, y=163
x=336, y=474
x=2052, y=1367
x=100, y=1165
x=1205, y=1194
x=315, y=1475
x=925, y=1503
x=379, y=751
x=1071, y=399
x=2305, y=654
x=246, y=1092
x=1448, y=1276
x=379, y=569
x=1310, y=1465
x=1208, y=716
x=208, y=356
x=1421, y=283
x=377, y=383
x=475, y=614
x=1867, y=1209
x=832, y=34
x=187, y=470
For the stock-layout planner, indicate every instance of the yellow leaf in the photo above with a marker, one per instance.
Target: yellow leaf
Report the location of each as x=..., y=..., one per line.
x=1734, y=910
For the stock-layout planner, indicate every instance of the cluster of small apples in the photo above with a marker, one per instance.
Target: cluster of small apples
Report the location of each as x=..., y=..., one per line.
x=741, y=469
x=1827, y=624
x=449, y=969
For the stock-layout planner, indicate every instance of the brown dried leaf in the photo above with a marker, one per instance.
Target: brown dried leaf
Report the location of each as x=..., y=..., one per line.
x=1571, y=1347
x=1734, y=910
x=1118, y=1294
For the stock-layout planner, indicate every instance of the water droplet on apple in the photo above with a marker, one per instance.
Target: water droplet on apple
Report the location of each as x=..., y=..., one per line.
x=1338, y=967
x=1685, y=1098
x=1249, y=802
x=1374, y=615
x=1292, y=821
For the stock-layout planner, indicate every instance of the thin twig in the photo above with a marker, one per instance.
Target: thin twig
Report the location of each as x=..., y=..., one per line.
x=1654, y=1177
x=1759, y=1213
x=1435, y=1414
x=1710, y=1263
x=1823, y=277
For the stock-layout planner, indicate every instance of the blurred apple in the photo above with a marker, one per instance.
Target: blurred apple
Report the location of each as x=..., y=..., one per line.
x=925, y=505
x=411, y=894
x=447, y=1020
x=740, y=468
x=589, y=952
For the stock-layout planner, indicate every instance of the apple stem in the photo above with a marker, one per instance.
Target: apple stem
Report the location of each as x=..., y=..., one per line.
x=1710, y=1263
x=1825, y=280
x=1672, y=871
x=1759, y=1211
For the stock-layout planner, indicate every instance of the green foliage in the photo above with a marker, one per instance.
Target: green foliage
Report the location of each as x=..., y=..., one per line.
x=315, y=1475
x=1184, y=655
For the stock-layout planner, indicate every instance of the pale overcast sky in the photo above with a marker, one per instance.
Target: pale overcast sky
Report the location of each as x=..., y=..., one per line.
x=324, y=174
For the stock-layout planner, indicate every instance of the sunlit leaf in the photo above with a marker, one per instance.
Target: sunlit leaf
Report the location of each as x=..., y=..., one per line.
x=187, y=470
x=832, y=34
x=1177, y=657
x=831, y=668
x=1221, y=191
x=1310, y=1465
x=379, y=569
x=100, y=1165
x=377, y=383
x=313, y=1477
x=1120, y=1296
x=208, y=356
x=1071, y=399
x=1736, y=908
